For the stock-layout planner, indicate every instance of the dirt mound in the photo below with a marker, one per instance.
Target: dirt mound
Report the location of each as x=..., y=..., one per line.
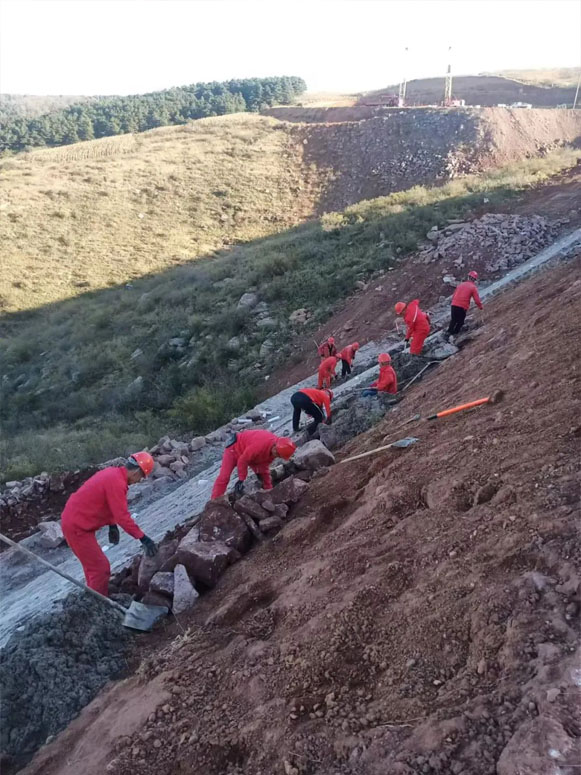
x=52, y=669
x=419, y=615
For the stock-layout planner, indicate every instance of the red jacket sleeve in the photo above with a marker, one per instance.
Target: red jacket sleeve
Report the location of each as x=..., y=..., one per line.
x=117, y=502
x=327, y=405
x=476, y=297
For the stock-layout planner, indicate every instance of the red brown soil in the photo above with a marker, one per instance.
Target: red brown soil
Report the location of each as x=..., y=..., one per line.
x=370, y=313
x=419, y=614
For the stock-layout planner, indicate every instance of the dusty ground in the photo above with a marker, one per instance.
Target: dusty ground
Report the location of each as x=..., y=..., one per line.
x=369, y=314
x=419, y=614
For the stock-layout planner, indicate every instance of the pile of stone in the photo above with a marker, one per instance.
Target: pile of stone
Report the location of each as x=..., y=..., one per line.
x=224, y=532
x=496, y=242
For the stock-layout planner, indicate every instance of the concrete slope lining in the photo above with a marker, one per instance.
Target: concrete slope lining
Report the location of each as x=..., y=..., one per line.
x=23, y=602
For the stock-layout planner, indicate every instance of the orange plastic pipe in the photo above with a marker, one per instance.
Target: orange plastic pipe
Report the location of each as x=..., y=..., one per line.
x=455, y=409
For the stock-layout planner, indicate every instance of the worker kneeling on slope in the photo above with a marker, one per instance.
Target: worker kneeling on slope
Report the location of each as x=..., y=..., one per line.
x=387, y=380
x=100, y=501
x=255, y=450
x=417, y=322
x=461, y=299
x=311, y=402
x=328, y=348
x=347, y=356
x=327, y=372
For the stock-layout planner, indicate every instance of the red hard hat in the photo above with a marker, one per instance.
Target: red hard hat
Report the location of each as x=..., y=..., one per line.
x=329, y=393
x=384, y=358
x=144, y=461
x=285, y=447
x=331, y=340
x=355, y=345
x=473, y=275
x=399, y=307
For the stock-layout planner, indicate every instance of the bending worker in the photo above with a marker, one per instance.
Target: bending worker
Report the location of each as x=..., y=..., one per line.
x=387, y=380
x=100, y=501
x=327, y=372
x=327, y=348
x=461, y=299
x=418, y=324
x=311, y=402
x=347, y=356
x=255, y=450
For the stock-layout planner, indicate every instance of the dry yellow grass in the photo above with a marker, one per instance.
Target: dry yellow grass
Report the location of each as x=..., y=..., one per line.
x=103, y=212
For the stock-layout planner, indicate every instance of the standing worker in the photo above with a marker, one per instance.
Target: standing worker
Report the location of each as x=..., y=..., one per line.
x=100, y=501
x=347, y=356
x=387, y=381
x=418, y=324
x=461, y=299
x=327, y=372
x=327, y=348
x=311, y=401
x=255, y=450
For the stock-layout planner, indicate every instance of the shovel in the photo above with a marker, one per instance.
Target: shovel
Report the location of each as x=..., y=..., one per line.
x=401, y=444
x=137, y=617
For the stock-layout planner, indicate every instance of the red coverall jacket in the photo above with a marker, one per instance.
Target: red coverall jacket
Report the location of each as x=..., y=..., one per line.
x=252, y=449
x=100, y=501
x=387, y=382
x=327, y=371
x=326, y=350
x=464, y=293
x=418, y=326
x=347, y=354
x=320, y=398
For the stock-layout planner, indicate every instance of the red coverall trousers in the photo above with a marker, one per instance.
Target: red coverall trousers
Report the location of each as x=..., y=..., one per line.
x=86, y=548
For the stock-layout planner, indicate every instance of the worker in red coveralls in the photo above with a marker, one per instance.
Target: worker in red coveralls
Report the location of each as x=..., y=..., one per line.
x=311, y=402
x=347, y=355
x=327, y=372
x=327, y=348
x=387, y=381
x=255, y=450
x=100, y=501
x=417, y=322
x=461, y=299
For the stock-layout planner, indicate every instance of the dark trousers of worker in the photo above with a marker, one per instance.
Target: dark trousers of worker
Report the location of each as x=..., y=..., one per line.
x=457, y=317
x=302, y=403
x=85, y=547
x=345, y=368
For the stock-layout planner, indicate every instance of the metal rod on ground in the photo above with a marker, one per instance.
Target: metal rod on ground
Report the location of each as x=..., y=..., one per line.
x=413, y=379
x=402, y=443
x=119, y=608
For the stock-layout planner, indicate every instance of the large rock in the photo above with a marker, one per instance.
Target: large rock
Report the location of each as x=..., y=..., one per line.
x=149, y=566
x=270, y=523
x=313, y=455
x=162, y=583
x=443, y=351
x=219, y=522
x=51, y=534
x=248, y=301
x=205, y=561
x=248, y=505
x=184, y=592
x=288, y=491
x=197, y=443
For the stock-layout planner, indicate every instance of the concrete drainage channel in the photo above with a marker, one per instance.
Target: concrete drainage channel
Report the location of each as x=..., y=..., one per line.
x=73, y=649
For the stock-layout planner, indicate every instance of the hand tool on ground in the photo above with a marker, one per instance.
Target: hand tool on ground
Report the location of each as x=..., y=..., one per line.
x=460, y=408
x=413, y=379
x=137, y=617
x=401, y=444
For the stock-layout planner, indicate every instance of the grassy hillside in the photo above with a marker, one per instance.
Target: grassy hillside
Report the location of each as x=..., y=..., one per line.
x=96, y=214
x=556, y=76
x=95, y=376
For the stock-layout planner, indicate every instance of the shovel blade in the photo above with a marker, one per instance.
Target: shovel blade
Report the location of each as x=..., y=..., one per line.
x=408, y=441
x=142, y=617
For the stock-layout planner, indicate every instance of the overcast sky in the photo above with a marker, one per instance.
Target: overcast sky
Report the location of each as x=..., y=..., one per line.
x=131, y=46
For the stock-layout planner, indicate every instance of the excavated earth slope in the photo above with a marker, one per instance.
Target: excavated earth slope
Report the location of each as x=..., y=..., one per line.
x=418, y=614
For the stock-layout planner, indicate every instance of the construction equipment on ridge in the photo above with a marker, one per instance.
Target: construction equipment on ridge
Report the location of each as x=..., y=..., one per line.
x=137, y=617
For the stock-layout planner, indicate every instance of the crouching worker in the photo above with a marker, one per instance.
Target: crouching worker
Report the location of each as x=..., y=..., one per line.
x=311, y=402
x=100, y=501
x=417, y=322
x=347, y=356
x=387, y=381
x=255, y=450
x=327, y=372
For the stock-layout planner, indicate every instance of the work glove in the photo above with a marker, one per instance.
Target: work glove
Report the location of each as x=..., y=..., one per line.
x=239, y=488
x=113, y=534
x=149, y=547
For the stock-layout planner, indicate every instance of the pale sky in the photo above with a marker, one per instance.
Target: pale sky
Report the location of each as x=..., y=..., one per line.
x=133, y=46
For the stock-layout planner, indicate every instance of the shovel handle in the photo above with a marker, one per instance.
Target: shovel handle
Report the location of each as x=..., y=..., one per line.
x=117, y=606
x=460, y=408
